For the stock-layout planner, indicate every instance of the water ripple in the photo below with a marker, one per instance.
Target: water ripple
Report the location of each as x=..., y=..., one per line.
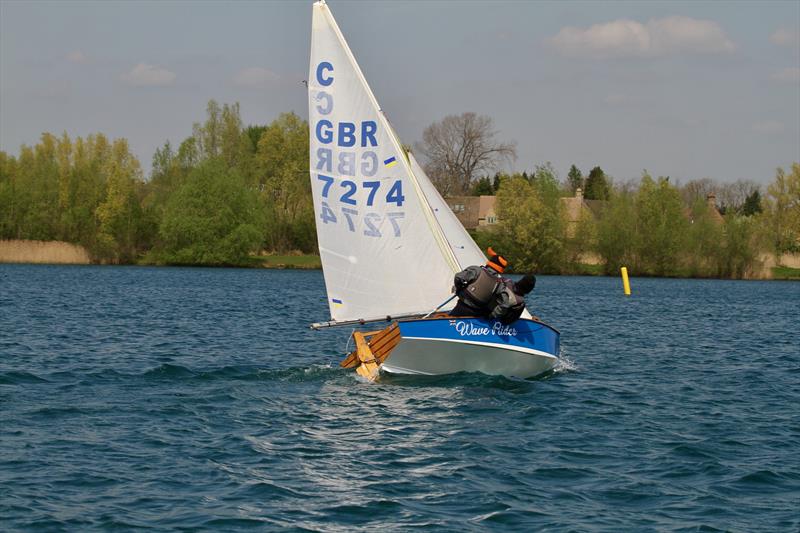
x=198, y=399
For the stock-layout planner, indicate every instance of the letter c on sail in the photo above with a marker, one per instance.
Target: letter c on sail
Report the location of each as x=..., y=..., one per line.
x=323, y=66
x=326, y=110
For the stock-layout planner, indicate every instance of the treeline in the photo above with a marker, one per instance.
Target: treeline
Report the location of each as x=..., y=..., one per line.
x=652, y=226
x=86, y=191
x=228, y=191
x=225, y=192
x=595, y=186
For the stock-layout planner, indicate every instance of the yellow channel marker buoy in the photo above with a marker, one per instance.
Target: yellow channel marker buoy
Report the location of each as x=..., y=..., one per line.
x=626, y=285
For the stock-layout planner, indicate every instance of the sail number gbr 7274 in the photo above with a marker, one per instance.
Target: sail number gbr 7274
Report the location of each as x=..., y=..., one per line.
x=346, y=151
x=372, y=220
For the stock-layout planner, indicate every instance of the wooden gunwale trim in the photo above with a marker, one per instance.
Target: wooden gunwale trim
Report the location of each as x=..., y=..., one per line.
x=384, y=354
x=380, y=342
x=350, y=361
x=372, y=349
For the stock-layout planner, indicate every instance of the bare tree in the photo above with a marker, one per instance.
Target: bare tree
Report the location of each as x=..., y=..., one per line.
x=695, y=190
x=732, y=196
x=460, y=149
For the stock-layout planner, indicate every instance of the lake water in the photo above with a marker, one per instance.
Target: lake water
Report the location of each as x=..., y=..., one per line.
x=199, y=399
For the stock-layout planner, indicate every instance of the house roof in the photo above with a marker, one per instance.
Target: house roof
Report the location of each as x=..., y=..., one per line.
x=574, y=204
x=486, y=206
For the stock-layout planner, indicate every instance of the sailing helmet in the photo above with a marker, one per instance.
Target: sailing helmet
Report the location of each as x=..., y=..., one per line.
x=496, y=261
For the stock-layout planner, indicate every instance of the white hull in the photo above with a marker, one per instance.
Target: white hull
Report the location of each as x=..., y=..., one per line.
x=446, y=356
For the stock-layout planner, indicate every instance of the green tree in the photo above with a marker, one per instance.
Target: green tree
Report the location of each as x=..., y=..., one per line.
x=781, y=215
x=583, y=241
x=40, y=182
x=284, y=185
x=9, y=209
x=208, y=135
x=90, y=159
x=212, y=219
x=169, y=171
x=482, y=187
x=660, y=227
x=162, y=172
x=616, y=232
x=248, y=165
x=597, y=186
x=738, y=253
x=222, y=134
x=189, y=154
x=119, y=214
x=531, y=230
x=545, y=177
x=574, y=179
x=498, y=176
x=704, y=241
x=752, y=204
x=253, y=134
x=234, y=144
x=89, y=188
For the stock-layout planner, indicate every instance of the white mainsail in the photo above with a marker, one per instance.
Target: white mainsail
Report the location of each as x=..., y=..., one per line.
x=383, y=251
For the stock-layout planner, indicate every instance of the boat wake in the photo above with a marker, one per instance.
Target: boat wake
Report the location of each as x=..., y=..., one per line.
x=176, y=373
x=565, y=365
x=244, y=373
x=460, y=380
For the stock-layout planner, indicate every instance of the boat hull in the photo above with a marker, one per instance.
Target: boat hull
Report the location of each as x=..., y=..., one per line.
x=524, y=349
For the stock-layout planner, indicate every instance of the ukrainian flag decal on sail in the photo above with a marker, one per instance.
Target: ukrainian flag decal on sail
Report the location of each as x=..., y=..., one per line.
x=390, y=162
x=337, y=302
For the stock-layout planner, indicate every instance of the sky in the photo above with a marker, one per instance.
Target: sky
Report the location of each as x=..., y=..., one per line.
x=682, y=89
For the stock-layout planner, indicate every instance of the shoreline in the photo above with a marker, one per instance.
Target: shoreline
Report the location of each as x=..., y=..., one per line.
x=793, y=274
x=62, y=253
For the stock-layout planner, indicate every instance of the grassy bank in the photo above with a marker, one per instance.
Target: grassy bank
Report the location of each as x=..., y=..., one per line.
x=287, y=261
x=298, y=261
x=786, y=273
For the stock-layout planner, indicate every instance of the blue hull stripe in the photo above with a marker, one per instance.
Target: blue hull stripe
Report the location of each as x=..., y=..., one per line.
x=522, y=333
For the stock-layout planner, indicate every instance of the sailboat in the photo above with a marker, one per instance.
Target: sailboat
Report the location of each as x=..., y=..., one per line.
x=388, y=242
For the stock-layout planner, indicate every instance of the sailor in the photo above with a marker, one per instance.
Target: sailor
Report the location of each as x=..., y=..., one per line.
x=509, y=298
x=475, y=286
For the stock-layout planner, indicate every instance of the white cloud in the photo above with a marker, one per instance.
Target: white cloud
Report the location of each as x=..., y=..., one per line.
x=256, y=78
x=145, y=75
x=785, y=37
x=788, y=75
x=629, y=38
x=768, y=127
x=76, y=56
